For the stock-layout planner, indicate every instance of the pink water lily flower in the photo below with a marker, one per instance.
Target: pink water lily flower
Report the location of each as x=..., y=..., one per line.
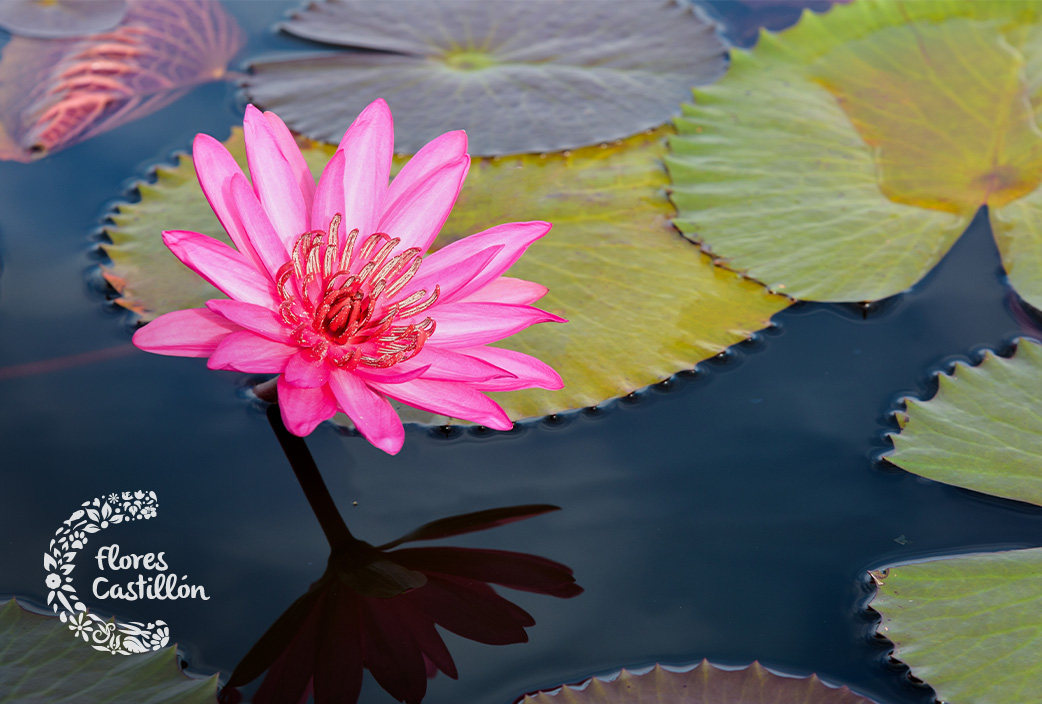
x=330, y=286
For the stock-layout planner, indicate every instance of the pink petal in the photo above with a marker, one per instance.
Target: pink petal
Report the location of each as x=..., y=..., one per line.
x=329, y=198
x=222, y=266
x=440, y=364
x=305, y=371
x=437, y=153
x=303, y=409
x=246, y=351
x=368, y=410
x=507, y=290
x=368, y=146
x=515, y=238
x=274, y=181
x=290, y=150
x=417, y=215
x=450, y=399
x=398, y=374
x=215, y=167
x=265, y=241
x=472, y=324
x=259, y=319
x=527, y=370
x=450, y=275
x=195, y=332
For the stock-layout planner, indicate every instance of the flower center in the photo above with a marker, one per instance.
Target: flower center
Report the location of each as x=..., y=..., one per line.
x=341, y=302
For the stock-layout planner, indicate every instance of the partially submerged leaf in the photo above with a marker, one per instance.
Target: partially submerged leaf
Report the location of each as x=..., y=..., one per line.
x=533, y=76
x=43, y=661
x=49, y=19
x=703, y=683
x=970, y=626
x=840, y=160
x=642, y=302
x=982, y=430
x=57, y=92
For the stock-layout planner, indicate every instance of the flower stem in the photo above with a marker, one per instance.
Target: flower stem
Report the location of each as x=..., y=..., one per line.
x=311, y=482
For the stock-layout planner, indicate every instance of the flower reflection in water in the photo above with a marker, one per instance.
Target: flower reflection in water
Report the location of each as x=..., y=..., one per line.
x=377, y=607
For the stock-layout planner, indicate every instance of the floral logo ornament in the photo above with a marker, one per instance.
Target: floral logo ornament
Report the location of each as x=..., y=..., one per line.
x=95, y=515
x=331, y=286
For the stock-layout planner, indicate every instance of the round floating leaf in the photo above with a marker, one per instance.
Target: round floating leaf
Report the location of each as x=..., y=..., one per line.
x=971, y=627
x=841, y=159
x=983, y=429
x=48, y=19
x=533, y=76
x=42, y=660
x=642, y=302
x=703, y=683
x=57, y=92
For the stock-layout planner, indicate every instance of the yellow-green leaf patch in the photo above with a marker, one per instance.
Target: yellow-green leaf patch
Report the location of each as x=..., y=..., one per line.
x=841, y=159
x=970, y=627
x=42, y=660
x=983, y=429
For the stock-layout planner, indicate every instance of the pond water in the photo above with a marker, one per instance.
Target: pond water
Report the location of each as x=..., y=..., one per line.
x=729, y=514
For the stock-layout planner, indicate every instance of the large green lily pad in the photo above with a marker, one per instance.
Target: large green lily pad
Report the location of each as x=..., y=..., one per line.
x=841, y=159
x=983, y=429
x=532, y=76
x=643, y=303
x=702, y=684
x=43, y=662
x=970, y=626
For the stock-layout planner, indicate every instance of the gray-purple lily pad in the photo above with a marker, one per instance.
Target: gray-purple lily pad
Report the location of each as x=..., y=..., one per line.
x=519, y=77
x=703, y=683
x=52, y=19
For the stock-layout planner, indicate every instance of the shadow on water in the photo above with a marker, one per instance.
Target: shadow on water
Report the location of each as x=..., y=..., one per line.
x=377, y=607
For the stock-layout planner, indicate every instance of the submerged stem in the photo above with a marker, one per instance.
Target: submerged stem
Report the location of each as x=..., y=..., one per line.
x=311, y=482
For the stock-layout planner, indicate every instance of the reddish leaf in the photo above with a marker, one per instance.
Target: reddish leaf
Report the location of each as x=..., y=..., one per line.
x=702, y=684
x=57, y=92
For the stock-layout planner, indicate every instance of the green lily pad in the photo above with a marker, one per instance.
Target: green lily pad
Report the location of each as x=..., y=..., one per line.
x=971, y=626
x=642, y=302
x=43, y=661
x=841, y=159
x=983, y=429
x=703, y=683
x=533, y=76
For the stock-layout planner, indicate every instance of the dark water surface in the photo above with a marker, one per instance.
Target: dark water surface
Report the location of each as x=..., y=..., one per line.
x=730, y=516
